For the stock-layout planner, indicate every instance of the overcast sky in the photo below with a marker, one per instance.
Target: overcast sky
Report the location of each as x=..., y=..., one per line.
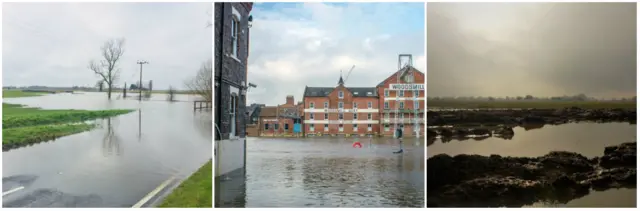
x=542, y=49
x=52, y=43
x=295, y=44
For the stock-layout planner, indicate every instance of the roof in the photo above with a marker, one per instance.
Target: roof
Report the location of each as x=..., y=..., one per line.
x=403, y=69
x=356, y=91
x=268, y=111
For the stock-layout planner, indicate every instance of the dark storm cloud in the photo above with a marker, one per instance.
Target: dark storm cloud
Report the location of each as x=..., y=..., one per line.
x=549, y=49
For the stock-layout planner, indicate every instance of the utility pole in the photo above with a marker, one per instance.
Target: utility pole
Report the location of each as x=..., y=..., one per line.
x=141, y=62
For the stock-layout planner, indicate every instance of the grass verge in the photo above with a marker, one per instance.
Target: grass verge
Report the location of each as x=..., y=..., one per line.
x=26, y=126
x=469, y=104
x=20, y=93
x=193, y=192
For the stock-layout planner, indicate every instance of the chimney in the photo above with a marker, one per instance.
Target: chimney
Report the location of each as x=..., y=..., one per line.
x=290, y=100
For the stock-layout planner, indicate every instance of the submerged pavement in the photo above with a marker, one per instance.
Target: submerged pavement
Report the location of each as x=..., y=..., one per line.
x=115, y=165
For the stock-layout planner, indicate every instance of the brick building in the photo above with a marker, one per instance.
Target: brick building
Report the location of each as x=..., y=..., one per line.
x=281, y=120
x=361, y=111
x=231, y=45
x=340, y=110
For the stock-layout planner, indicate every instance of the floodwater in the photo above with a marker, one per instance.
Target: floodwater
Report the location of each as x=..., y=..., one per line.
x=588, y=139
x=330, y=172
x=115, y=165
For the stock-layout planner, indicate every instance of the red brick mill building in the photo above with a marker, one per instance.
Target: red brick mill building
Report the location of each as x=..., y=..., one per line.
x=397, y=101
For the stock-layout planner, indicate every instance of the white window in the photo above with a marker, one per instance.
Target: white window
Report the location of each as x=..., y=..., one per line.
x=401, y=105
x=400, y=93
x=326, y=104
x=235, y=28
x=355, y=105
x=326, y=127
x=311, y=105
x=355, y=116
x=355, y=127
x=386, y=127
x=386, y=115
x=311, y=116
x=416, y=104
x=386, y=105
x=416, y=93
x=340, y=94
x=326, y=116
x=386, y=93
x=369, y=127
x=266, y=126
x=369, y=116
x=312, y=128
x=369, y=105
x=340, y=128
x=340, y=116
x=276, y=126
x=340, y=105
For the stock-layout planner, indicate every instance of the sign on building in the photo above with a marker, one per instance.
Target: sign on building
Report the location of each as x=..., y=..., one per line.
x=406, y=87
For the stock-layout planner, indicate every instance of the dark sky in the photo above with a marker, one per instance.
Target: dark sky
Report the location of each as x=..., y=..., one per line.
x=542, y=49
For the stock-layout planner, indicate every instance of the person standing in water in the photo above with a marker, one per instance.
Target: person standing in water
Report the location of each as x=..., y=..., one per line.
x=399, y=136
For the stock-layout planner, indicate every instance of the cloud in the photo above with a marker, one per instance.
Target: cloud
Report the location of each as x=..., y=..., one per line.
x=543, y=49
x=52, y=43
x=296, y=45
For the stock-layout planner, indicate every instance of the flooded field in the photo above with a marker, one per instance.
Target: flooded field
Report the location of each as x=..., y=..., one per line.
x=587, y=139
x=114, y=165
x=329, y=172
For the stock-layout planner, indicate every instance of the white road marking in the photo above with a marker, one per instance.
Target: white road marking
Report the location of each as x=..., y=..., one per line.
x=12, y=190
x=151, y=194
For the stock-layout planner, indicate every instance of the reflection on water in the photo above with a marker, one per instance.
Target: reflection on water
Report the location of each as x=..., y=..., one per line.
x=321, y=172
x=120, y=161
x=588, y=139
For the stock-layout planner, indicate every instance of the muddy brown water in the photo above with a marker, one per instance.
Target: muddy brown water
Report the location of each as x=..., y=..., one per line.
x=329, y=172
x=114, y=165
x=588, y=139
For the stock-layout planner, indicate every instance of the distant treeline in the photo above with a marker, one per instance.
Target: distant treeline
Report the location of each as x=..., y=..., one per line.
x=580, y=97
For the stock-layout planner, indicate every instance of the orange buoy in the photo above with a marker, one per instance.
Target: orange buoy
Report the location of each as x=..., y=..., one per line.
x=357, y=144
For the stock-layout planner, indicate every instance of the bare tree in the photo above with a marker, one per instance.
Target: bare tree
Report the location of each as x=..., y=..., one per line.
x=202, y=83
x=100, y=85
x=107, y=68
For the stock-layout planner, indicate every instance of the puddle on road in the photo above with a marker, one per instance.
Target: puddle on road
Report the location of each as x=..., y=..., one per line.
x=117, y=163
x=329, y=172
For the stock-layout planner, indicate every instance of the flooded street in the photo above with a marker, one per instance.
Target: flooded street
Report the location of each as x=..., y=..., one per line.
x=329, y=172
x=588, y=139
x=114, y=165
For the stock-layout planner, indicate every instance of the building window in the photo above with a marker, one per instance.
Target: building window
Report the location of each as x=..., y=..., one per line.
x=369, y=105
x=326, y=116
x=355, y=127
x=275, y=126
x=235, y=28
x=386, y=115
x=355, y=105
x=386, y=105
x=386, y=93
x=340, y=94
x=311, y=116
x=369, y=127
x=416, y=105
x=326, y=104
x=369, y=116
x=340, y=128
x=340, y=104
x=286, y=126
x=400, y=93
x=386, y=127
x=311, y=127
x=266, y=126
x=311, y=105
x=416, y=93
x=326, y=127
x=401, y=105
x=340, y=116
x=355, y=116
